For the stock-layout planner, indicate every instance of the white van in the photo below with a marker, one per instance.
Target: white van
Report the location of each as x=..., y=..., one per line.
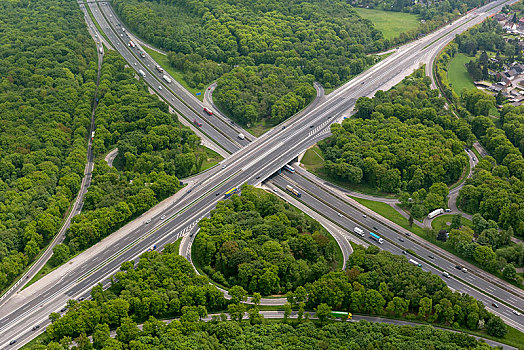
x=359, y=231
x=241, y=136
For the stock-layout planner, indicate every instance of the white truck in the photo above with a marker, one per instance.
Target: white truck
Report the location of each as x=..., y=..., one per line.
x=414, y=262
x=166, y=78
x=141, y=72
x=359, y=231
x=435, y=213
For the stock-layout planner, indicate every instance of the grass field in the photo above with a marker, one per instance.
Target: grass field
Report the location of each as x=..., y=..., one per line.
x=313, y=159
x=441, y=221
x=458, y=75
x=259, y=128
x=390, y=23
x=162, y=60
x=212, y=159
x=390, y=213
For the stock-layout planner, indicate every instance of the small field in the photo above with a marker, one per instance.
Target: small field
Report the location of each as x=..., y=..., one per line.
x=313, y=159
x=458, y=75
x=212, y=159
x=390, y=213
x=162, y=60
x=440, y=222
x=259, y=128
x=390, y=23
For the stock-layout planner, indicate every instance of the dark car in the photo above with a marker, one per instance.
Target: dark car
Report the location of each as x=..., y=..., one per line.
x=64, y=309
x=12, y=342
x=375, y=228
x=401, y=239
x=311, y=126
x=35, y=327
x=408, y=234
x=431, y=257
x=217, y=194
x=458, y=267
x=258, y=177
x=404, y=252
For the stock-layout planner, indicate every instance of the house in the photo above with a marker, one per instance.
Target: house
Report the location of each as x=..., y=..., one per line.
x=496, y=88
x=500, y=17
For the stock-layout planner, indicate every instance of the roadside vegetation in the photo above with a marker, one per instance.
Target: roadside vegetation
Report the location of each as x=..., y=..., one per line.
x=46, y=92
x=495, y=191
x=400, y=142
x=165, y=286
x=264, y=55
x=155, y=151
x=431, y=15
x=259, y=242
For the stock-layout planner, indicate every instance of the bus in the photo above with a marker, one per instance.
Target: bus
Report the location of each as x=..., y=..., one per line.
x=344, y=316
x=231, y=192
x=289, y=168
x=294, y=191
x=414, y=262
x=376, y=237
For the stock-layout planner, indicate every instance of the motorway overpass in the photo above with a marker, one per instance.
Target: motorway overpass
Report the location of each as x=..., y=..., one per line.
x=251, y=164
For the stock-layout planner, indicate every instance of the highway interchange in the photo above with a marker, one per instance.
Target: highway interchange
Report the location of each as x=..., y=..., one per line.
x=250, y=162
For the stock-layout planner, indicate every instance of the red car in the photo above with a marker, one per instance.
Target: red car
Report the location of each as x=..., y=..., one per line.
x=197, y=123
x=208, y=111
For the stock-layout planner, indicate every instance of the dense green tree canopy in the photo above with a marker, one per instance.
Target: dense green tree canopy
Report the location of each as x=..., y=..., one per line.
x=401, y=140
x=154, y=151
x=263, y=244
x=267, y=52
x=47, y=72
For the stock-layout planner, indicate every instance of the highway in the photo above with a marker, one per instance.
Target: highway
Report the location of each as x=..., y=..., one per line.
x=252, y=164
x=223, y=133
x=346, y=215
x=76, y=207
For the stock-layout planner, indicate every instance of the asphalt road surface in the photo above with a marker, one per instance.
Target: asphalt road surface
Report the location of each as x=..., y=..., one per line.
x=253, y=163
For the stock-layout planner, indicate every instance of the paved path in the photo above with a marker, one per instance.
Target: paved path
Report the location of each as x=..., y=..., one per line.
x=278, y=314
x=76, y=207
x=393, y=202
x=110, y=157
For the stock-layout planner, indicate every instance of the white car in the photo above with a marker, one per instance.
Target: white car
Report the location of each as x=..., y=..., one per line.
x=162, y=217
x=464, y=270
x=516, y=312
x=148, y=221
x=159, y=87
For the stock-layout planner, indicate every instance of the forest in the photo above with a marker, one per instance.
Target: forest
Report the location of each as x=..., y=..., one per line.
x=381, y=283
x=259, y=242
x=165, y=286
x=401, y=141
x=264, y=54
x=48, y=73
x=495, y=192
x=189, y=334
x=154, y=151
